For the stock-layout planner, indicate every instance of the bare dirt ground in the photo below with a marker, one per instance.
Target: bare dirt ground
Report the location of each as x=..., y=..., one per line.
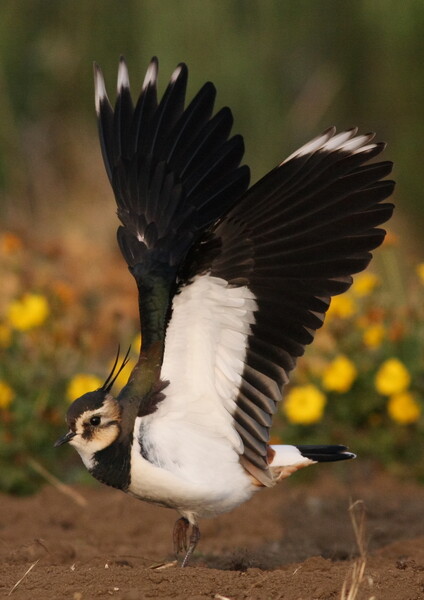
x=293, y=542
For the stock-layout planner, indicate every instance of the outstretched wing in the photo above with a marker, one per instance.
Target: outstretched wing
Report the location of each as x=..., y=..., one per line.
x=174, y=172
x=257, y=286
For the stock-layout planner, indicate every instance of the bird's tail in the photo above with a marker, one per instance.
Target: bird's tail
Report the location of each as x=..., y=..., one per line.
x=285, y=459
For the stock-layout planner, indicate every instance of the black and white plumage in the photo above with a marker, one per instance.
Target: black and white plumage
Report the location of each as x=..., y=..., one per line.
x=233, y=283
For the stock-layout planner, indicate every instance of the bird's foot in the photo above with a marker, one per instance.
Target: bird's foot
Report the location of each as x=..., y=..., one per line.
x=180, y=535
x=180, y=539
x=194, y=538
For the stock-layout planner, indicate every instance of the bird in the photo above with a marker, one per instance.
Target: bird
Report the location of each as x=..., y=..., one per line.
x=233, y=282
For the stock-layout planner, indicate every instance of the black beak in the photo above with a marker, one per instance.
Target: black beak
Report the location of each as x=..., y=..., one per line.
x=65, y=438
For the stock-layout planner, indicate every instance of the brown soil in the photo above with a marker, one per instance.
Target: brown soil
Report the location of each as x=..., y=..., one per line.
x=293, y=542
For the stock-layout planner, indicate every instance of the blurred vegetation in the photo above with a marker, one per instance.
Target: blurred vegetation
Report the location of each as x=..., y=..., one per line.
x=362, y=380
x=287, y=69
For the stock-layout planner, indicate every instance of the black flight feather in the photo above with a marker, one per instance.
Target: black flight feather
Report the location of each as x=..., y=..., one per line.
x=174, y=171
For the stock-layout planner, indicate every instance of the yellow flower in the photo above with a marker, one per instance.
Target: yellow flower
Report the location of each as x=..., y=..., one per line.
x=136, y=343
x=5, y=336
x=392, y=377
x=6, y=395
x=82, y=383
x=304, y=404
x=28, y=312
x=374, y=335
x=364, y=284
x=342, y=307
x=420, y=272
x=403, y=408
x=339, y=375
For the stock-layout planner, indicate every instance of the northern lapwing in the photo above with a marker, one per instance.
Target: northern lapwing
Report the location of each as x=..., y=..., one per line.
x=232, y=282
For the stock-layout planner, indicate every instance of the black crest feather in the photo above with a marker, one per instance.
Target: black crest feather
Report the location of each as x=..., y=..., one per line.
x=111, y=378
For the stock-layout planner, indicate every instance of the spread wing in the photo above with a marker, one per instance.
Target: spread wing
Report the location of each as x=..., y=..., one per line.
x=255, y=288
x=174, y=171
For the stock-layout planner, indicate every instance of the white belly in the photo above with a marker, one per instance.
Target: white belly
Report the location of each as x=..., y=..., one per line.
x=197, y=480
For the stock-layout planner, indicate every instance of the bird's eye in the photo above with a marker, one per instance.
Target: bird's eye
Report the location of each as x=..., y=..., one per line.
x=95, y=421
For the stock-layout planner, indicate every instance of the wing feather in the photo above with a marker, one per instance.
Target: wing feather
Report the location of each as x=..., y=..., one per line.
x=291, y=243
x=174, y=172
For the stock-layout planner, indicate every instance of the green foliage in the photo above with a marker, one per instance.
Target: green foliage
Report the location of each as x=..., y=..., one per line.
x=43, y=352
x=287, y=69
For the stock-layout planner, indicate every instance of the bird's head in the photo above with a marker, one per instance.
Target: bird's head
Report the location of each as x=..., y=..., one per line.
x=94, y=423
x=94, y=419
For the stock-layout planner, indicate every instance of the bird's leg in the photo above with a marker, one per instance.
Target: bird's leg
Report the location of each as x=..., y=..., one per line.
x=180, y=535
x=194, y=538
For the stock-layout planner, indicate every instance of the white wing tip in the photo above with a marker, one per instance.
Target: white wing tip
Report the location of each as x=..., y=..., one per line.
x=356, y=143
x=366, y=148
x=340, y=138
x=313, y=145
x=151, y=73
x=99, y=87
x=176, y=74
x=329, y=141
x=123, y=77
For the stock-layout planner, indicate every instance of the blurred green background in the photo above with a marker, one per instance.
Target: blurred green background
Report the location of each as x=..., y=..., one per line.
x=288, y=70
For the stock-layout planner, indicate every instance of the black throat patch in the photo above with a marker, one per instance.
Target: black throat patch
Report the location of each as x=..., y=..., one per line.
x=113, y=464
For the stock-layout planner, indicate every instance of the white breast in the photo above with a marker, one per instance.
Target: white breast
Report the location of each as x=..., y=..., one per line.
x=190, y=438
x=211, y=484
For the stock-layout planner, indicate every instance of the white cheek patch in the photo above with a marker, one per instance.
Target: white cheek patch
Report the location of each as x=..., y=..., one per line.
x=99, y=439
